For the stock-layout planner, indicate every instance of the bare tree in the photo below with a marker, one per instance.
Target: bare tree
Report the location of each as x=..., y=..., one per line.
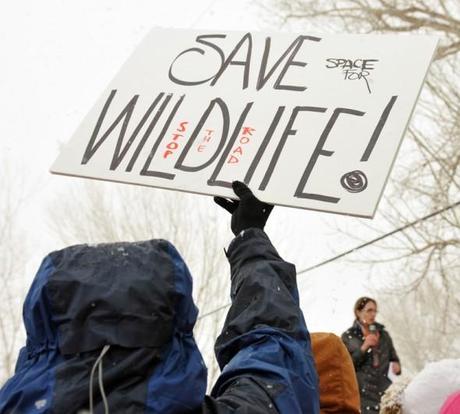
x=420, y=264
x=12, y=265
x=427, y=337
x=93, y=212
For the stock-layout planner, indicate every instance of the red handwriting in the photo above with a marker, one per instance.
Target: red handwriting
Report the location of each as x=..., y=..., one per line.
x=236, y=154
x=173, y=145
x=206, y=139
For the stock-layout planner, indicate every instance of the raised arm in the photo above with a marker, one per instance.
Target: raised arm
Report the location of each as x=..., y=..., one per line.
x=264, y=349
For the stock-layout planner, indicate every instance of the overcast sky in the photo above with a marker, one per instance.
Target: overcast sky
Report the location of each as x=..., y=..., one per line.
x=57, y=58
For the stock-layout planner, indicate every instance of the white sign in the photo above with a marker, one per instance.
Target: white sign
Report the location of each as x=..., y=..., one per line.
x=306, y=121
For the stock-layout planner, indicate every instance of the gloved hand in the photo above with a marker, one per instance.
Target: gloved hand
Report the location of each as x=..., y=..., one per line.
x=248, y=211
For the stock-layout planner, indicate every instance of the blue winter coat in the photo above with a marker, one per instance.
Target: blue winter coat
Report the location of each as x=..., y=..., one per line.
x=136, y=297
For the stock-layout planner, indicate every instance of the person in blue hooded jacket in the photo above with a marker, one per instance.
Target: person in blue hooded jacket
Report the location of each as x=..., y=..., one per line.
x=109, y=329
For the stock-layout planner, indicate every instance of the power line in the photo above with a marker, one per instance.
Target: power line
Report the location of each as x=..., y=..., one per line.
x=384, y=236
x=213, y=311
x=354, y=249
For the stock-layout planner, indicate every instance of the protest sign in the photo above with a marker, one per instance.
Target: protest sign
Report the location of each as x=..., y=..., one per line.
x=306, y=121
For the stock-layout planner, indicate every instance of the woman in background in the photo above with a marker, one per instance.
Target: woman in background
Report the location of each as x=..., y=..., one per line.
x=372, y=351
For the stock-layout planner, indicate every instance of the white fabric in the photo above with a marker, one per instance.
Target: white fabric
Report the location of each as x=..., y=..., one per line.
x=430, y=388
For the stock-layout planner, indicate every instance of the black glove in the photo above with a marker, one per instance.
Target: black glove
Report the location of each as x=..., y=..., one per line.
x=248, y=211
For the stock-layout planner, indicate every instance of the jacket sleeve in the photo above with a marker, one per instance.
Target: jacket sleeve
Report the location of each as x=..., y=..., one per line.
x=354, y=348
x=393, y=355
x=264, y=349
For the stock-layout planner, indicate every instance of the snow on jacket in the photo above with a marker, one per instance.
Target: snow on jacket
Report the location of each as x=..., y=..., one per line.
x=264, y=349
x=136, y=297
x=372, y=381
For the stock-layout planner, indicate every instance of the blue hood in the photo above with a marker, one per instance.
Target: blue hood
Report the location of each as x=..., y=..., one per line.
x=135, y=297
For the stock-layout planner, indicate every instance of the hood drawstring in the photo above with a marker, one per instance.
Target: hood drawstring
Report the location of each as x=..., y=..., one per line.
x=98, y=364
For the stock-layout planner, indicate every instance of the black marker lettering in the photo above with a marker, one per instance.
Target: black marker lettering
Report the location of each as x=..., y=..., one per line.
x=212, y=181
x=125, y=114
x=319, y=150
x=199, y=39
x=378, y=129
x=334, y=63
x=348, y=64
x=262, y=79
x=246, y=63
x=225, y=126
x=368, y=64
x=263, y=145
x=147, y=133
x=292, y=62
x=145, y=171
x=288, y=131
x=119, y=156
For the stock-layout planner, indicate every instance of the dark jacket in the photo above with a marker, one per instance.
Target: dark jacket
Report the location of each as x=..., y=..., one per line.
x=372, y=380
x=136, y=297
x=264, y=349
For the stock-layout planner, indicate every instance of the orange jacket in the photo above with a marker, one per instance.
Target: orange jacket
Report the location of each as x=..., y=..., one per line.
x=338, y=387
